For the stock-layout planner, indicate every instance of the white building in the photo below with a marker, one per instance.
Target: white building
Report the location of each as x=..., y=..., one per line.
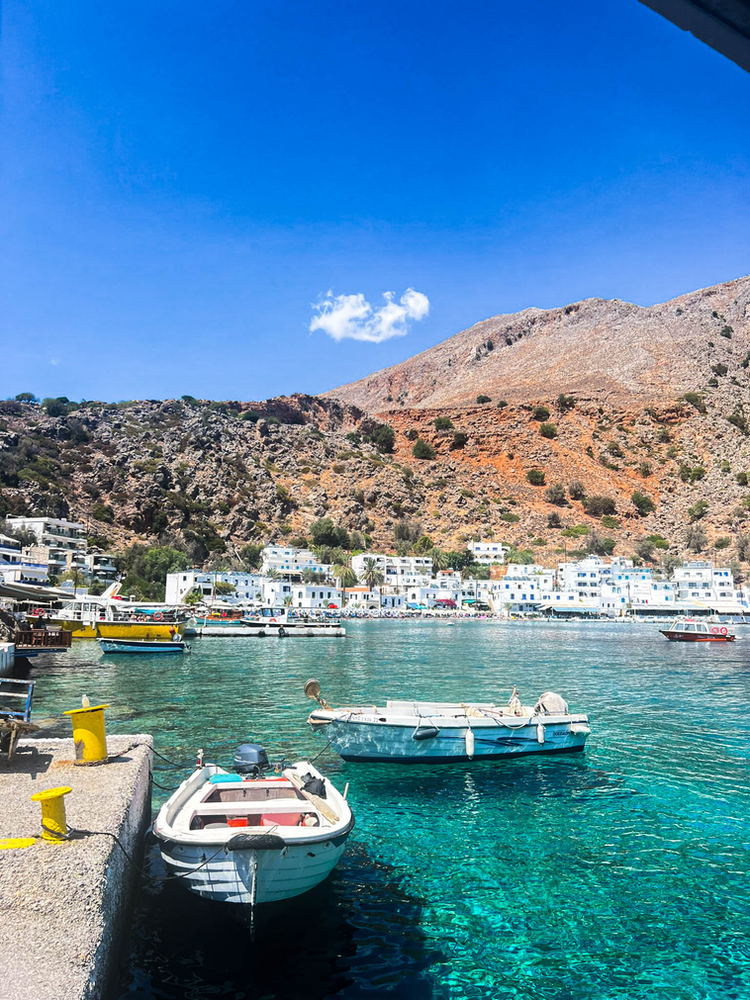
x=398, y=571
x=583, y=577
x=275, y=593
x=380, y=597
x=522, y=587
x=315, y=595
x=247, y=586
x=707, y=588
x=16, y=566
x=101, y=566
x=292, y=562
x=63, y=541
x=487, y=553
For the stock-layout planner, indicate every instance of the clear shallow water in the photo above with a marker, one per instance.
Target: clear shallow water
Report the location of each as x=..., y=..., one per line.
x=618, y=873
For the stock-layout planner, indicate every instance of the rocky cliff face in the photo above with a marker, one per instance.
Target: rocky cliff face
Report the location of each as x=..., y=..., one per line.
x=666, y=416
x=200, y=476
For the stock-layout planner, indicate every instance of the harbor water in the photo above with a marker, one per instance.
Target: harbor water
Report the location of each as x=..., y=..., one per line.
x=620, y=873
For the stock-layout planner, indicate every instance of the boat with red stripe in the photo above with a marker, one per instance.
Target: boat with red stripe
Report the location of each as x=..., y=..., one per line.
x=695, y=630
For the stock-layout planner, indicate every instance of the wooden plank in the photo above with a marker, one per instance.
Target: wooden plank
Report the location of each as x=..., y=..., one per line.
x=320, y=804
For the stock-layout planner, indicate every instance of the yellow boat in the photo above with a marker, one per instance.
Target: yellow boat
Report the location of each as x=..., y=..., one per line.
x=118, y=630
x=102, y=618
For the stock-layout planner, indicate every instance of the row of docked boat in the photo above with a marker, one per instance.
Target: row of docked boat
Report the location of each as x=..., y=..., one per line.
x=263, y=834
x=274, y=622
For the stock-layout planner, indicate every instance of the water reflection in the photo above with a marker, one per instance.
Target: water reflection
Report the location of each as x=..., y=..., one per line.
x=358, y=931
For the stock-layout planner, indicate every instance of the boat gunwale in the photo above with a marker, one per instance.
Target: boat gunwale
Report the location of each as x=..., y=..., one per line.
x=182, y=795
x=448, y=722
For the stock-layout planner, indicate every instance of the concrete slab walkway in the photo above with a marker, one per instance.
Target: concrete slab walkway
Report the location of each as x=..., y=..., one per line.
x=62, y=906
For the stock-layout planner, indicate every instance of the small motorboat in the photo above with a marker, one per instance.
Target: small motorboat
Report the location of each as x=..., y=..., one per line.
x=160, y=646
x=255, y=836
x=444, y=732
x=692, y=630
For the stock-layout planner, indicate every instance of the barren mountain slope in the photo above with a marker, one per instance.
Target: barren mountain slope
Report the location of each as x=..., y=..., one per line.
x=596, y=349
x=211, y=476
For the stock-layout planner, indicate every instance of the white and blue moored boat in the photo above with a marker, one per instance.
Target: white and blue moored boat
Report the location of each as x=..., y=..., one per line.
x=442, y=732
x=257, y=836
x=160, y=646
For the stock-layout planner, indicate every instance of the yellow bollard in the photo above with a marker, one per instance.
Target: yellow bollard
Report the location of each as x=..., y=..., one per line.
x=88, y=733
x=54, y=827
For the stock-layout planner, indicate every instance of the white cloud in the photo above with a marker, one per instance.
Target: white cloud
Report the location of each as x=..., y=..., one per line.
x=54, y=361
x=351, y=317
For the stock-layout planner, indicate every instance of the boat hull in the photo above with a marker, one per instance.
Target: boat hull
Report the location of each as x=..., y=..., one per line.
x=274, y=631
x=381, y=743
x=118, y=630
x=695, y=637
x=141, y=646
x=228, y=878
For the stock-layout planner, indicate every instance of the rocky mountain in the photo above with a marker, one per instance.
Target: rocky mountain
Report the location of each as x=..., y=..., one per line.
x=608, y=351
x=603, y=427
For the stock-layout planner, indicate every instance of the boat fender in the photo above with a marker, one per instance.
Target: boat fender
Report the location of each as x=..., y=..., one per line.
x=255, y=842
x=469, y=743
x=261, y=634
x=539, y=732
x=425, y=733
x=282, y=631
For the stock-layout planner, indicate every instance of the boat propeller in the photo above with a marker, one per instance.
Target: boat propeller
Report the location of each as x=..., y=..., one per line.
x=312, y=690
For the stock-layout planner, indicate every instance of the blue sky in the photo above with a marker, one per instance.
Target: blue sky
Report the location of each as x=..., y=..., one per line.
x=182, y=181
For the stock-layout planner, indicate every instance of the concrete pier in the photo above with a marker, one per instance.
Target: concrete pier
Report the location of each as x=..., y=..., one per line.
x=63, y=906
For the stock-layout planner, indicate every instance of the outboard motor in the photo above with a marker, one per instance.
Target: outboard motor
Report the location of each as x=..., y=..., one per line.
x=250, y=758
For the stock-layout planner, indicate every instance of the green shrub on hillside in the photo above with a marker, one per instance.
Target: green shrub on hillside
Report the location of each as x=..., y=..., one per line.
x=698, y=510
x=696, y=401
x=423, y=450
x=442, y=424
x=597, y=505
x=556, y=494
x=643, y=504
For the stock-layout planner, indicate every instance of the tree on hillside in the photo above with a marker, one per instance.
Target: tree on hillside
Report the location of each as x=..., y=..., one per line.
x=695, y=538
x=144, y=570
x=423, y=545
x=325, y=532
x=251, y=555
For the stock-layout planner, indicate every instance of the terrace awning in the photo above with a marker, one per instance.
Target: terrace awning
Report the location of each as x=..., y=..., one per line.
x=29, y=592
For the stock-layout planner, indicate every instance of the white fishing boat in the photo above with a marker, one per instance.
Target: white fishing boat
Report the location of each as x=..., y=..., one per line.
x=279, y=623
x=440, y=732
x=256, y=836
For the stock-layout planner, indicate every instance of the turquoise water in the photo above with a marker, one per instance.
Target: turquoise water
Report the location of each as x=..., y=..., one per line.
x=620, y=872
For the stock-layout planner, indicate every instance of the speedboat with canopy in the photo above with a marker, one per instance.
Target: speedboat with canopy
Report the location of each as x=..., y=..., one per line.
x=442, y=732
x=256, y=836
x=693, y=630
